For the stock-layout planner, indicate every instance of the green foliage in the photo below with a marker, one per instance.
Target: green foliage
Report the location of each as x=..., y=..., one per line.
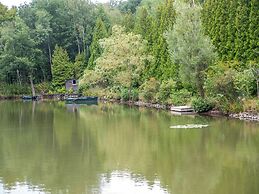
x=79, y=65
x=5, y=14
x=14, y=89
x=220, y=82
x=232, y=26
x=61, y=69
x=100, y=32
x=180, y=97
x=129, y=6
x=163, y=53
x=121, y=63
x=125, y=94
x=132, y=95
x=18, y=56
x=162, y=67
x=143, y=25
x=166, y=89
x=43, y=88
x=253, y=33
x=245, y=83
x=251, y=105
x=189, y=47
x=201, y=105
x=230, y=80
x=149, y=89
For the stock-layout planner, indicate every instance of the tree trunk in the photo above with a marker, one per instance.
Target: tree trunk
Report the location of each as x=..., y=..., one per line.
x=83, y=37
x=199, y=83
x=32, y=86
x=78, y=45
x=18, y=77
x=50, y=59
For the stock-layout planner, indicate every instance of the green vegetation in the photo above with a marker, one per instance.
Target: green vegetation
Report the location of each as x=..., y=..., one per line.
x=202, y=105
x=159, y=51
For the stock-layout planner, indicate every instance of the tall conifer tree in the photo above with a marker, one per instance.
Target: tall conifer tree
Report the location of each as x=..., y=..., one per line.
x=162, y=68
x=61, y=68
x=242, y=25
x=100, y=32
x=253, y=53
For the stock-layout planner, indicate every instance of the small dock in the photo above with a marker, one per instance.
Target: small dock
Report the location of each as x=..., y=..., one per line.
x=182, y=110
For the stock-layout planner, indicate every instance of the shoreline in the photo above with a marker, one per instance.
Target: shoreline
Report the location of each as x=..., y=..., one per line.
x=246, y=116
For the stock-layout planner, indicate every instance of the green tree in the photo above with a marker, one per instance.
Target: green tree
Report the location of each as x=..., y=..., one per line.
x=241, y=24
x=189, y=47
x=121, y=63
x=6, y=14
x=43, y=32
x=79, y=65
x=61, y=68
x=253, y=53
x=129, y=6
x=162, y=67
x=100, y=32
x=19, y=57
x=144, y=24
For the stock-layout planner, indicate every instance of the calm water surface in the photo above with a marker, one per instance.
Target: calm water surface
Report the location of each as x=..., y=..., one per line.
x=48, y=147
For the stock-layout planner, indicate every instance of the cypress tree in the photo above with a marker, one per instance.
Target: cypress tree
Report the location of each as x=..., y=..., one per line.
x=241, y=25
x=143, y=25
x=100, y=32
x=253, y=53
x=162, y=68
x=231, y=30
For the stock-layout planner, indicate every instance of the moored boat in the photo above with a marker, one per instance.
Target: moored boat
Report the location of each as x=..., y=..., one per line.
x=30, y=97
x=82, y=100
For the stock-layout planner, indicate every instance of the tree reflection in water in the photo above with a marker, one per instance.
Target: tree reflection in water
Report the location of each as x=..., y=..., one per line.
x=49, y=148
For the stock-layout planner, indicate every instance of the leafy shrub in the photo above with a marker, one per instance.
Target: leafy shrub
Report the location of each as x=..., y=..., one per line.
x=245, y=83
x=43, y=88
x=14, y=89
x=125, y=94
x=221, y=82
x=135, y=95
x=149, y=90
x=165, y=90
x=61, y=90
x=202, y=105
x=180, y=97
x=235, y=107
x=251, y=105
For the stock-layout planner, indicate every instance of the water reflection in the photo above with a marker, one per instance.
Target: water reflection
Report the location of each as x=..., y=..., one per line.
x=52, y=148
x=124, y=182
x=21, y=188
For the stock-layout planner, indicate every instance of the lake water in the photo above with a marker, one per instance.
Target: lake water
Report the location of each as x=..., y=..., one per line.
x=50, y=147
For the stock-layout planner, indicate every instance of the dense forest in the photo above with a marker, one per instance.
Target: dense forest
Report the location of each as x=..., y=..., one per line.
x=160, y=51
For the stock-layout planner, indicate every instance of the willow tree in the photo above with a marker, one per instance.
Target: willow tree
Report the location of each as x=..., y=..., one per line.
x=189, y=47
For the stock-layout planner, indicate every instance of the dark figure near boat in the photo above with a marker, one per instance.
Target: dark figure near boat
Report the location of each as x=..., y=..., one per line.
x=72, y=85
